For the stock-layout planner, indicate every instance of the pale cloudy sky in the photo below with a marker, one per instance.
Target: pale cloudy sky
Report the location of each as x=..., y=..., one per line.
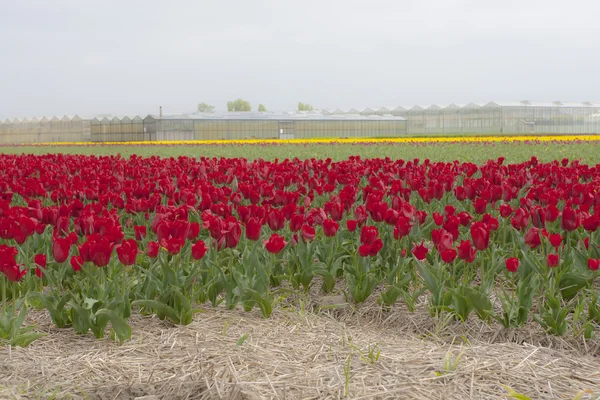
x=87, y=57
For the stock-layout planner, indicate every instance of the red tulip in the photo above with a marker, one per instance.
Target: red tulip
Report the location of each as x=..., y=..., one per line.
x=438, y=218
x=40, y=260
x=571, y=219
x=127, y=252
x=253, y=228
x=351, y=225
x=512, y=264
x=140, y=232
x=420, y=251
x=466, y=251
x=402, y=228
x=532, y=237
x=60, y=249
x=275, y=219
x=193, y=231
x=199, y=250
x=330, y=227
x=296, y=222
x=308, y=233
x=275, y=244
x=368, y=234
x=152, y=249
x=505, y=210
x=100, y=252
x=480, y=235
x=370, y=249
x=76, y=263
x=173, y=245
x=555, y=239
x=552, y=260
x=448, y=255
x=442, y=239
x=593, y=264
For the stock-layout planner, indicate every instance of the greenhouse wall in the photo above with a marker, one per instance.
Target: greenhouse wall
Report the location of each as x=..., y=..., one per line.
x=491, y=118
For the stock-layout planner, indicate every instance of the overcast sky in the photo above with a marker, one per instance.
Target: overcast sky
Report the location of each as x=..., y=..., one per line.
x=87, y=57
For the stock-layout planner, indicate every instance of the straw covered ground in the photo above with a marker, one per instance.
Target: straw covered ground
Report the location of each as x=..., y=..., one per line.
x=321, y=349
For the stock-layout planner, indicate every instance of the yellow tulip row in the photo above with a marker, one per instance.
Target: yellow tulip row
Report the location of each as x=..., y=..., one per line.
x=431, y=139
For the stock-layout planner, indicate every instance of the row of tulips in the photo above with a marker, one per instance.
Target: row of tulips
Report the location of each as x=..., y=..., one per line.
x=90, y=238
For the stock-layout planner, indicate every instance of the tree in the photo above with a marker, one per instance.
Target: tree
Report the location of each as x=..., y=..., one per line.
x=203, y=107
x=304, y=107
x=238, y=105
x=262, y=108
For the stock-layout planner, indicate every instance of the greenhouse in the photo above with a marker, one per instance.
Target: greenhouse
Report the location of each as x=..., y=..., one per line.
x=248, y=125
x=522, y=117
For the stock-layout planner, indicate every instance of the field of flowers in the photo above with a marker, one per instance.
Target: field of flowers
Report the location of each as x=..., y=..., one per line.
x=469, y=149
x=89, y=239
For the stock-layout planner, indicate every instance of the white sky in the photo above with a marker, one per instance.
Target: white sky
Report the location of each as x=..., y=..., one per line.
x=87, y=57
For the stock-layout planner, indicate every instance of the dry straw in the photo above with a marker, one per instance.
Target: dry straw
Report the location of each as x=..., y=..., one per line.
x=321, y=349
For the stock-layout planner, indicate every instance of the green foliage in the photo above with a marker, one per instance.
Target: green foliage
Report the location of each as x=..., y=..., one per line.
x=304, y=106
x=238, y=105
x=203, y=107
x=262, y=108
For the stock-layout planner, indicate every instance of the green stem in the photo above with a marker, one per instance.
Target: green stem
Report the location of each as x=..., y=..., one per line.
x=14, y=297
x=3, y=291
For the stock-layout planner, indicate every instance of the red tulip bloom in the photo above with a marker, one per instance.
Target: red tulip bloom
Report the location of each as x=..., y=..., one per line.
x=368, y=234
x=590, y=224
x=448, y=255
x=442, y=239
x=480, y=205
x=253, y=228
x=512, y=264
x=40, y=260
x=465, y=218
x=491, y=222
x=438, y=218
x=420, y=251
x=152, y=249
x=505, y=210
x=275, y=219
x=60, y=248
x=402, y=228
x=593, y=264
x=100, y=252
x=466, y=251
x=552, y=213
x=308, y=233
x=330, y=227
x=552, y=260
x=127, y=252
x=571, y=219
x=351, y=225
x=13, y=272
x=296, y=222
x=370, y=249
x=555, y=239
x=538, y=217
x=173, y=245
x=275, y=244
x=480, y=235
x=193, y=231
x=76, y=263
x=140, y=232
x=520, y=220
x=532, y=237
x=199, y=250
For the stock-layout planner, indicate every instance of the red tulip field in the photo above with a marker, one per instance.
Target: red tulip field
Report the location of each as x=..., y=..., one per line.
x=96, y=244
